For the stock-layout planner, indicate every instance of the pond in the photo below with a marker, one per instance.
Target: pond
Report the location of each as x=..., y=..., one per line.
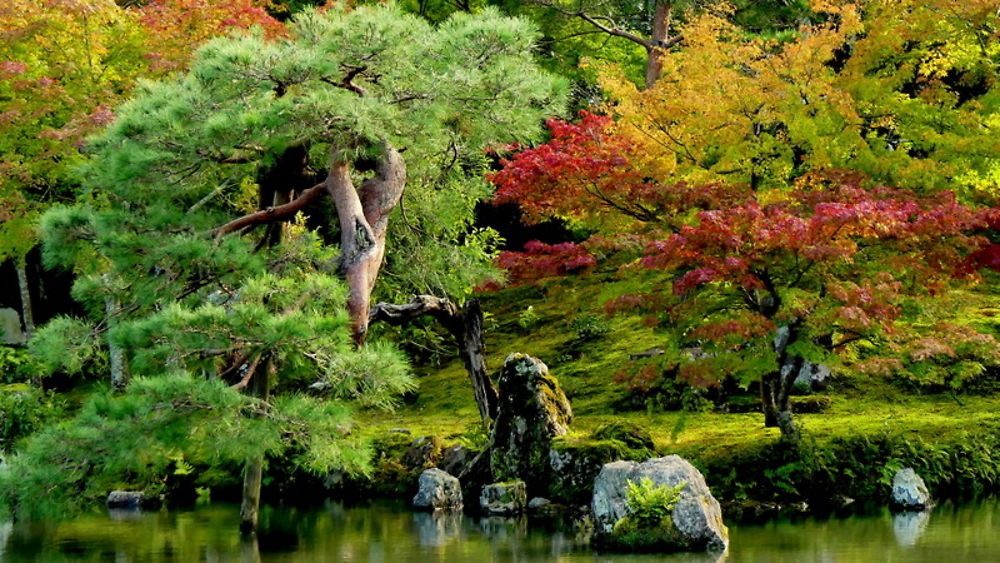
x=388, y=532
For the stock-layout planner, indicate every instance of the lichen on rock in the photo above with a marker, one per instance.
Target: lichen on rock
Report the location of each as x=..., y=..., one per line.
x=533, y=410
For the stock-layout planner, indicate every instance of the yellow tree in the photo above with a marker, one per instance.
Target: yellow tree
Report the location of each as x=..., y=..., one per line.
x=905, y=93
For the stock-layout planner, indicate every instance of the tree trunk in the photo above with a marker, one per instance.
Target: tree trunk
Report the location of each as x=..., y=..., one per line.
x=116, y=356
x=363, y=215
x=776, y=387
x=27, y=314
x=472, y=346
x=466, y=327
x=253, y=473
x=654, y=57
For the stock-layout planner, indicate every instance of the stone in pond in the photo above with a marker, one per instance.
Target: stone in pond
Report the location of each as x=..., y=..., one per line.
x=694, y=523
x=437, y=490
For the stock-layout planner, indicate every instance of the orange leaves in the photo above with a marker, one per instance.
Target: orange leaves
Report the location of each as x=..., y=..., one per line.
x=180, y=26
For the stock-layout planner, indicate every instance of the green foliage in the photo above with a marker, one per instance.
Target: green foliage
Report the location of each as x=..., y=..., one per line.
x=17, y=365
x=589, y=327
x=135, y=440
x=528, y=318
x=23, y=410
x=648, y=501
x=67, y=345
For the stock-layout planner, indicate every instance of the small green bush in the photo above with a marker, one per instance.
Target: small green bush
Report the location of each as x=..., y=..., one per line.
x=649, y=502
x=589, y=327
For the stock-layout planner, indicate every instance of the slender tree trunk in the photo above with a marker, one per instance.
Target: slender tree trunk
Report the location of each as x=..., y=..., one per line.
x=662, y=15
x=27, y=314
x=472, y=345
x=466, y=327
x=116, y=356
x=253, y=473
x=363, y=215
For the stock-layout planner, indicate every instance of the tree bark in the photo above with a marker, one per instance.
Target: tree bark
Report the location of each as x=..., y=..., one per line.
x=776, y=387
x=363, y=215
x=27, y=313
x=658, y=42
x=466, y=327
x=253, y=473
x=116, y=355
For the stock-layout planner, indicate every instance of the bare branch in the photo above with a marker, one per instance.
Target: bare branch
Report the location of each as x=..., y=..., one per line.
x=271, y=214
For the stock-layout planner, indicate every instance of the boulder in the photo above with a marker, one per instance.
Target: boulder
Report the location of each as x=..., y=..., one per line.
x=132, y=499
x=504, y=498
x=811, y=378
x=574, y=464
x=437, y=490
x=909, y=491
x=539, y=502
x=532, y=411
x=10, y=327
x=695, y=522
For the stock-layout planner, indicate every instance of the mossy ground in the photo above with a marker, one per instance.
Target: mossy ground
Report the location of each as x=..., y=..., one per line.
x=858, y=407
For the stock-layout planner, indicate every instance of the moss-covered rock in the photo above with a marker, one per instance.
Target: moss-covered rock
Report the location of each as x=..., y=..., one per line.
x=510, y=497
x=533, y=410
x=574, y=464
x=646, y=535
x=631, y=435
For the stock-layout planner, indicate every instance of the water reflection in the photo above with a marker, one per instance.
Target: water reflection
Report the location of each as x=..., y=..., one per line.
x=390, y=533
x=438, y=528
x=909, y=526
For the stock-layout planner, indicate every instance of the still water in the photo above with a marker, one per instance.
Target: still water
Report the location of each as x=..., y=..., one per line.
x=387, y=532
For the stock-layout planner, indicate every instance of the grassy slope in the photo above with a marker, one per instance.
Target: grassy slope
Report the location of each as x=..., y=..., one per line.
x=445, y=406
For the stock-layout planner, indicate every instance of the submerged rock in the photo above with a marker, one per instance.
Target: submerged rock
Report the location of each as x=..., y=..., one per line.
x=533, y=410
x=504, y=498
x=909, y=491
x=437, y=490
x=694, y=523
x=133, y=499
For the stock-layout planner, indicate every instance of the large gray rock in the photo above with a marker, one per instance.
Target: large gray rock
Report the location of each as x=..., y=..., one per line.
x=10, y=327
x=437, y=490
x=504, y=498
x=811, y=377
x=697, y=516
x=909, y=491
x=533, y=410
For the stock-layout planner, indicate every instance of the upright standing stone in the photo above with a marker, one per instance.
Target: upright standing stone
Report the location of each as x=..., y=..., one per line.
x=533, y=409
x=10, y=326
x=909, y=491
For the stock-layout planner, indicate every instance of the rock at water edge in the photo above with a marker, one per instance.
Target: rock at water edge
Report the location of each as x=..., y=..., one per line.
x=696, y=517
x=437, y=490
x=909, y=491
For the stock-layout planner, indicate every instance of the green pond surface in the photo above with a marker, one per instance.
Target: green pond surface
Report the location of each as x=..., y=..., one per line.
x=389, y=532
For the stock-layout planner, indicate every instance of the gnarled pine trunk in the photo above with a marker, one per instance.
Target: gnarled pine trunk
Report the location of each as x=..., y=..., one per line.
x=363, y=214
